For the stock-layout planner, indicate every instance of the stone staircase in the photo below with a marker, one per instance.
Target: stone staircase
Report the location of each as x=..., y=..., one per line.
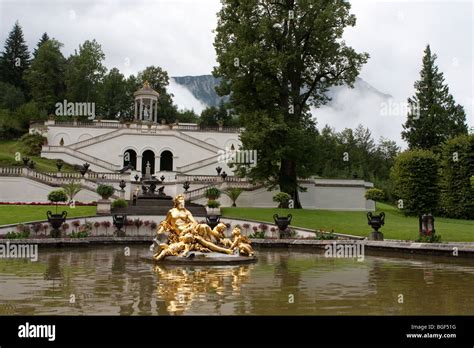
x=73, y=149
x=198, y=164
x=80, y=155
x=95, y=140
x=157, y=207
x=49, y=179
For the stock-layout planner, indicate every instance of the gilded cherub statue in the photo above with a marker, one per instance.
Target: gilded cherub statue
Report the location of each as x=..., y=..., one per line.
x=241, y=243
x=183, y=246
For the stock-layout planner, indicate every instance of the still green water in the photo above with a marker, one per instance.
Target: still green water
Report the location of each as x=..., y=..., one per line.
x=105, y=281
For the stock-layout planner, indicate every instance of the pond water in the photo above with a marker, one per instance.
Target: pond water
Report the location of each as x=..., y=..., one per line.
x=103, y=280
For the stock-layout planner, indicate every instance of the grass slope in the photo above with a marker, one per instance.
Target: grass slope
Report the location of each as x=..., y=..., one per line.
x=8, y=149
x=397, y=226
x=10, y=214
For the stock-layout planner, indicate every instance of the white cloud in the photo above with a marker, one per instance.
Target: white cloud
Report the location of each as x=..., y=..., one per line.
x=184, y=99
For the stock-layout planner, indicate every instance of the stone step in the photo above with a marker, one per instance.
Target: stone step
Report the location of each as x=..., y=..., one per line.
x=159, y=203
x=153, y=203
x=157, y=210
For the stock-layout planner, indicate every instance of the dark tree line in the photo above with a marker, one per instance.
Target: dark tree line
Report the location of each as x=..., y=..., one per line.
x=32, y=84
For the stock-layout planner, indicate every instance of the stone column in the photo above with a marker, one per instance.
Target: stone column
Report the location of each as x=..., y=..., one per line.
x=156, y=111
x=139, y=164
x=136, y=109
x=152, y=113
x=141, y=109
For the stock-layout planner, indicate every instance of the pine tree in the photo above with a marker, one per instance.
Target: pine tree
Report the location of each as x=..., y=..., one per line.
x=15, y=59
x=43, y=39
x=434, y=117
x=113, y=95
x=46, y=75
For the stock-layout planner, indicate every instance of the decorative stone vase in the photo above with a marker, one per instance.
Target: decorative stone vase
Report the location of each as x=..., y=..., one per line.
x=56, y=221
x=104, y=206
x=282, y=222
x=212, y=220
x=213, y=211
x=119, y=221
x=376, y=221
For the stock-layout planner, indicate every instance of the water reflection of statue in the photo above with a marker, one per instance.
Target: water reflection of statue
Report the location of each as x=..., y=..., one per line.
x=179, y=287
x=184, y=234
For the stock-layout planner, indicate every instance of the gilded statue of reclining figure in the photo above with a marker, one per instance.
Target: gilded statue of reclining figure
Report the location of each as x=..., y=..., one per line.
x=186, y=235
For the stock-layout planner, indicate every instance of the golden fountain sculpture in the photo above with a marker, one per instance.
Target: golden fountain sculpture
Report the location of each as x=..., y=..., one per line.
x=185, y=235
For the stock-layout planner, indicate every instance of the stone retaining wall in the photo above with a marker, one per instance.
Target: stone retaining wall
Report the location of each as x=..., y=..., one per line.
x=465, y=250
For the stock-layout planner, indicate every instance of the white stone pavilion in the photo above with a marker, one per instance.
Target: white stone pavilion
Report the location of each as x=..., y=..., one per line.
x=146, y=104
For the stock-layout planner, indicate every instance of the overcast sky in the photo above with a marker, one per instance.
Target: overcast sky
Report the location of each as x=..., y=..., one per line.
x=177, y=35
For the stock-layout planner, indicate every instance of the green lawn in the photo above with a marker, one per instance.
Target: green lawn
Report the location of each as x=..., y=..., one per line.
x=397, y=226
x=8, y=149
x=10, y=214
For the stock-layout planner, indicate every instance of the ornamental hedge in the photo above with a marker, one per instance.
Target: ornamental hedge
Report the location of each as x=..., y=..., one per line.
x=375, y=194
x=416, y=184
x=457, y=169
x=105, y=191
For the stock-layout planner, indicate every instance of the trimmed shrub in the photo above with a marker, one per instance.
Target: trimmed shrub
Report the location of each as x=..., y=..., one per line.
x=105, y=191
x=212, y=193
x=282, y=198
x=213, y=204
x=375, y=194
x=415, y=177
x=119, y=203
x=457, y=168
x=57, y=196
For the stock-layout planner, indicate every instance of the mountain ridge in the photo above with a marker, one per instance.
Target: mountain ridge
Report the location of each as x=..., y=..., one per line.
x=202, y=87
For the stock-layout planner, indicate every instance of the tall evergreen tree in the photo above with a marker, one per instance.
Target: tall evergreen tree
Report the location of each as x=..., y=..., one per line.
x=46, y=75
x=85, y=72
x=11, y=97
x=212, y=116
x=15, y=59
x=278, y=58
x=114, y=98
x=434, y=116
x=43, y=39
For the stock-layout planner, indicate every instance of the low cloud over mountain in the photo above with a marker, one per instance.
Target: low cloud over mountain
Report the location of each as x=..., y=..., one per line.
x=363, y=104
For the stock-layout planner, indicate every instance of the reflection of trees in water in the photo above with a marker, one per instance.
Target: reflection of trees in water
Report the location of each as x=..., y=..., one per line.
x=132, y=291
x=118, y=262
x=53, y=272
x=425, y=288
x=288, y=278
x=132, y=286
x=119, y=271
x=179, y=287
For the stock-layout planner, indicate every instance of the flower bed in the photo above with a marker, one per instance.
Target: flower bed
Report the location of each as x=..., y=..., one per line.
x=80, y=204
